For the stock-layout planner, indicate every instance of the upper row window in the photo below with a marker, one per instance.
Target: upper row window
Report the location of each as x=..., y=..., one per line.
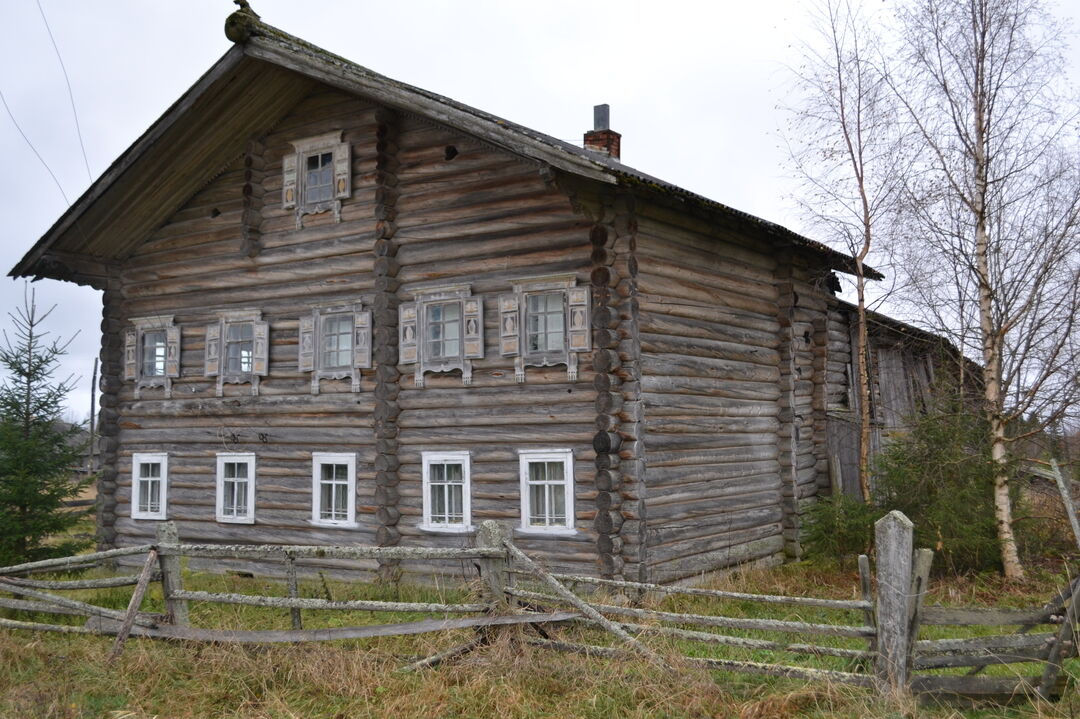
x=554, y=313
x=335, y=343
x=238, y=349
x=152, y=353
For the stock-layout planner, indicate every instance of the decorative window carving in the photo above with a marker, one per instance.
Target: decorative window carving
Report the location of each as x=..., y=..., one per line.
x=335, y=343
x=442, y=330
x=547, y=490
x=316, y=176
x=545, y=322
x=152, y=353
x=236, y=487
x=149, y=485
x=333, y=489
x=447, y=502
x=238, y=349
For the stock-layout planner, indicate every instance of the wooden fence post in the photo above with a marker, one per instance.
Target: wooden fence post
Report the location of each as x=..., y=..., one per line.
x=171, y=581
x=294, y=590
x=493, y=572
x=893, y=537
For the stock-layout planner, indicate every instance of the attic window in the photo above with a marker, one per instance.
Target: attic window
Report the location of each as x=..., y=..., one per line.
x=316, y=176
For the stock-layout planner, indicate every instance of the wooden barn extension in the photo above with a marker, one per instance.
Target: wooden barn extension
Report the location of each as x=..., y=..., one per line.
x=338, y=309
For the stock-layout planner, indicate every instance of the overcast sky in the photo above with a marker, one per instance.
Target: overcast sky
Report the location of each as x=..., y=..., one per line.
x=695, y=88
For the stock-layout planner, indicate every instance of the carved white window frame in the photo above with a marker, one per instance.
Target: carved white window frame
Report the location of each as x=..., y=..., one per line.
x=312, y=329
x=294, y=172
x=134, y=361
x=413, y=324
x=138, y=484
x=530, y=456
x=462, y=458
x=514, y=324
x=245, y=458
x=318, y=461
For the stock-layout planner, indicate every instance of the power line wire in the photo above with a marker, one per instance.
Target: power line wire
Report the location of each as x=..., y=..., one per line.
x=34, y=149
x=71, y=96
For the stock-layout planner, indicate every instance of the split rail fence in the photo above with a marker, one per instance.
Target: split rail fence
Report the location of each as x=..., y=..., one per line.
x=871, y=641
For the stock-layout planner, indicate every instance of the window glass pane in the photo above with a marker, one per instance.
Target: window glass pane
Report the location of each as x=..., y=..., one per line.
x=557, y=504
x=537, y=505
x=544, y=322
x=326, y=501
x=337, y=341
x=443, y=332
x=438, y=503
x=238, y=347
x=456, y=504
x=319, y=178
x=153, y=354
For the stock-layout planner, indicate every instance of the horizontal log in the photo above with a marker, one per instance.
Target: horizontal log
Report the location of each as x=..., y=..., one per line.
x=125, y=581
x=841, y=604
x=63, y=562
x=972, y=616
x=25, y=605
x=333, y=633
x=299, y=551
x=323, y=604
x=772, y=625
x=976, y=686
x=725, y=664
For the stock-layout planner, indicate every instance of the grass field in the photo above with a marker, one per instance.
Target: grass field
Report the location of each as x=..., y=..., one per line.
x=61, y=676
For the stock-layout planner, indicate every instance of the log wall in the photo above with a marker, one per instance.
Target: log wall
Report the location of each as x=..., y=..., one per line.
x=427, y=207
x=710, y=344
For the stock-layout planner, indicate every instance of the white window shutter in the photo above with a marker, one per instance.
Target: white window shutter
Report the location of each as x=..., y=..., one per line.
x=342, y=171
x=509, y=329
x=579, y=332
x=260, y=352
x=172, y=351
x=289, y=181
x=362, y=339
x=306, y=344
x=407, y=327
x=213, y=350
x=473, y=327
x=131, y=354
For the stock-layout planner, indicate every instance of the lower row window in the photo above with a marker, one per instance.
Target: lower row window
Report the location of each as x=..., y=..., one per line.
x=547, y=489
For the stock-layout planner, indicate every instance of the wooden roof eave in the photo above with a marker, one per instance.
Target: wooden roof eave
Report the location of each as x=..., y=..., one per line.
x=69, y=220
x=360, y=81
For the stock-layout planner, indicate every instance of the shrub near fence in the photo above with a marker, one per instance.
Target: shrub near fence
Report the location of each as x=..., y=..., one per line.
x=872, y=642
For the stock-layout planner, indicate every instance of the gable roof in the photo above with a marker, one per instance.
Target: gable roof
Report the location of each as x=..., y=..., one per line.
x=265, y=73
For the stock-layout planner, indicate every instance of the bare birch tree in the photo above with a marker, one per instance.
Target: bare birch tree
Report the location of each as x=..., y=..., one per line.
x=847, y=151
x=993, y=254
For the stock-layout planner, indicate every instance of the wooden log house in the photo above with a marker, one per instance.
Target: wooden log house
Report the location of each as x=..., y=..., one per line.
x=339, y=309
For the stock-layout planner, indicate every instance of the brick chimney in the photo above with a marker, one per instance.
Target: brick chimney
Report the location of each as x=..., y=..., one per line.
x=602, y=138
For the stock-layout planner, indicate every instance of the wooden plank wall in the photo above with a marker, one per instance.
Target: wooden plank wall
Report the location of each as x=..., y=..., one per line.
x=483, y=216
x=711, y=386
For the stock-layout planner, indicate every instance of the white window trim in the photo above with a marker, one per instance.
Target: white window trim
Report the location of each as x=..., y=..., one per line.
x=566, y=456
x=465, y=460
x=138, y=458
x=238, y=457
x=317, y=460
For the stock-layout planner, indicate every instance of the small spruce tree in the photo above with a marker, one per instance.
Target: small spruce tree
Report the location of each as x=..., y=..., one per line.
x=37, y=449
